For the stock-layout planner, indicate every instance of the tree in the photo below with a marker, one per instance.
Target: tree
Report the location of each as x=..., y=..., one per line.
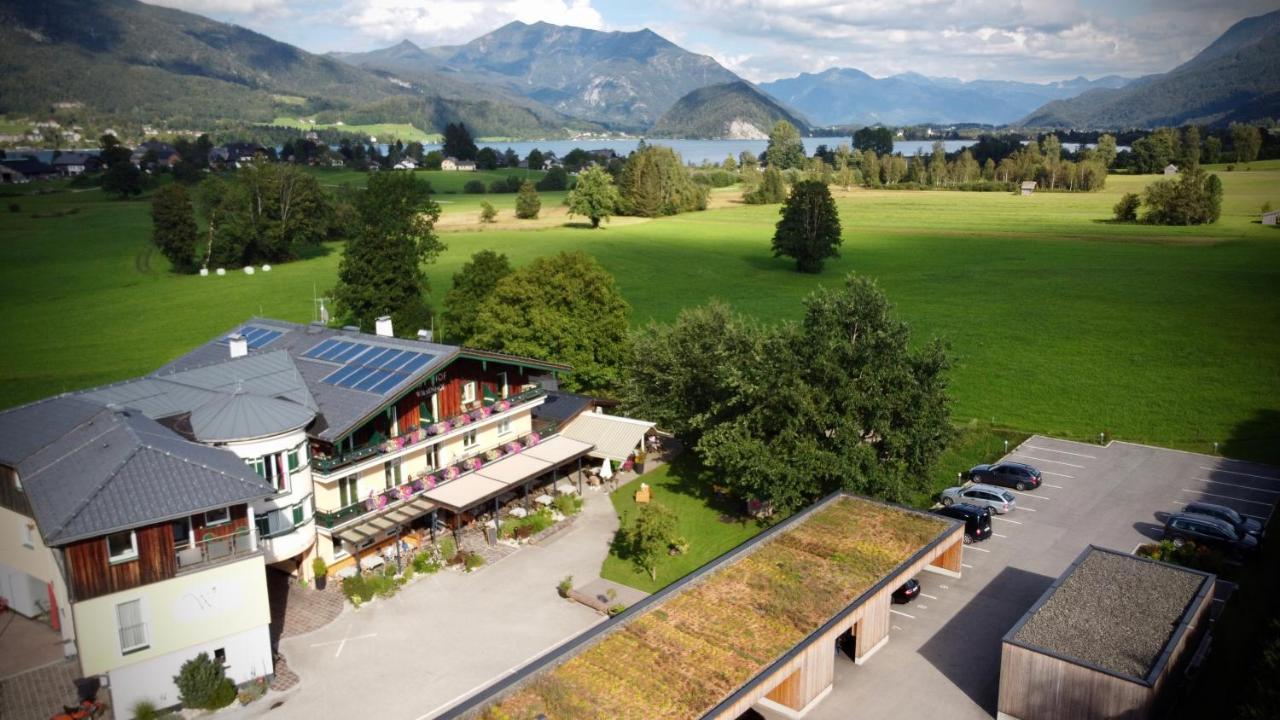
x=1190, y=147
x=173, y=226
x=487, y=212
x=729, y=164
x=1152, y=153
x=269, y=212
x=564, y=308
x=789, y=413
x=1105, y=152
x=487, y=159
x=772, y=189
x=458, y=142
x=1195, y=198
x=528, y=204
x=1126, y=210
x=1212, y=149
x=655, y=183
x=595, y=196
x=1247, y=141
x=938, y=164
x=785, y=149
x=535, y=159
x=876, y=139
x=809, y=230
x=652, y=532
x=381, y=269
x=555, y=179
x=471, y=286
x=123, y=179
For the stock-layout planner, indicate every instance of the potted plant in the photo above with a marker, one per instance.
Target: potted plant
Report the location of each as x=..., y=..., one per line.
x=640, y=456
x=321, y=569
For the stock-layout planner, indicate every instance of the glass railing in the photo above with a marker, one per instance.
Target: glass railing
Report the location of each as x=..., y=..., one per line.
x=380, y=446
x=215, y=549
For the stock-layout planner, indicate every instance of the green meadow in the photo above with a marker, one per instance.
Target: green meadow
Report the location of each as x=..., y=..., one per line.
x=385, y=132
x=1058, y=320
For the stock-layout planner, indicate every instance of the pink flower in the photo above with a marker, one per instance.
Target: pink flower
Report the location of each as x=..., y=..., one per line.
x=501, y=406
x=429, y=481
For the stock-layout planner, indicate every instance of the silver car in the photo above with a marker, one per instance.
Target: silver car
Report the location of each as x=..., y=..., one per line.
x=997, y=498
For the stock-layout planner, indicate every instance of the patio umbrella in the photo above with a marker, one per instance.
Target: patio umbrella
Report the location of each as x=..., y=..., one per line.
x=606, y=470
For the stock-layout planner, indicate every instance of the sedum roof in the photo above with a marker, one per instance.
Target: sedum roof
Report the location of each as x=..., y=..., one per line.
x=684, y=655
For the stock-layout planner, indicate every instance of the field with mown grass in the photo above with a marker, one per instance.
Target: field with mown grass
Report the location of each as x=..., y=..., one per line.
x=385, y=132
x=1059, y=321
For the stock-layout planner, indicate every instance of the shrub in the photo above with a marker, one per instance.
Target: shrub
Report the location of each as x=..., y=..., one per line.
x=528, y=204
x=616, y=609
x=254, y=690
x=357, y=590
x=145, y=710
x=474, y=187
x=203, y=684
x=555, y=179
x=319, y=567
x=772, y=189
x=1126, y=209
x=448, y=547
x=539, y=521
x=568, y=505
x=565, y=586
x=473, y=561
x=487, y=212
x=426, y=562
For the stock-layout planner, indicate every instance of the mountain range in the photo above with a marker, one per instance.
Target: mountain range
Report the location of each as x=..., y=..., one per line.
x=846, y=96
x=1236, y=78
x=735, y=110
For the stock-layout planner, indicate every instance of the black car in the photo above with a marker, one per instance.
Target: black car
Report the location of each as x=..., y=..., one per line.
x=1019, y=476
x=908, y=592
x=1242, y=525
x=1207, y=531
x=977, y=520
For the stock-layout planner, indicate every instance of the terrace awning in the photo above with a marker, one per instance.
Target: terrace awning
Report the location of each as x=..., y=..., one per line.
x=377, y=525
x=614, y=437
x=507, y=472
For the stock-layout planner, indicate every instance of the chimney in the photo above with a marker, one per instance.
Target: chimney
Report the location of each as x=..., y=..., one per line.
x=239, y=345
x=382, y=326
x=424, y=335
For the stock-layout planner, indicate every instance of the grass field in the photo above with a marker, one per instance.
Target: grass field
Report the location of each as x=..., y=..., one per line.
x=385, y=132
x=1059, y=321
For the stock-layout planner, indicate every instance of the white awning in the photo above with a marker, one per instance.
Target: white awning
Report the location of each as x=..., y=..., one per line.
x=614, y=437
x=507, y=472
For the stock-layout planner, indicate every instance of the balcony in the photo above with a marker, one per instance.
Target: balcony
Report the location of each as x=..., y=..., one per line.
x=214, y=550
x=431, y=431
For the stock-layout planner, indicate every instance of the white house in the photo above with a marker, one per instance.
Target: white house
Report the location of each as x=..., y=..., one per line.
x=1170, y=170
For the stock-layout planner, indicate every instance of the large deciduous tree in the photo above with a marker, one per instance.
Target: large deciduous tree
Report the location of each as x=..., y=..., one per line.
x=651, y=533
x=173, y=226
x=381, y=269
x=471, y=286
x=267, y=212
x=1195, y=198
x=809, y=230
x=655, y=183
x=563, y=308
x=785, y=149
x=458, y=143
x=877, y=139
x=594, y=196
x=1246, y=141
x=789, y=413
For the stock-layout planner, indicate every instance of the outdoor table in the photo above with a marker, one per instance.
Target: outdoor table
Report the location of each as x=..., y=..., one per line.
x=373, y=562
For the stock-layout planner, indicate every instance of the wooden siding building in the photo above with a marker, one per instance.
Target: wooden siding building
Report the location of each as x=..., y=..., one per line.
x=1107, y=640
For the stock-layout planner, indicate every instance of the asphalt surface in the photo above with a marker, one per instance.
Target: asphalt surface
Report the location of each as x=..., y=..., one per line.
x=943, y=656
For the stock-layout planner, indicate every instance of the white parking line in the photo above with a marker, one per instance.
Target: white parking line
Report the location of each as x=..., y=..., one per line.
x=970, y=547
x=1069, y=477
x=928, y=596
x=1237, y=485
x=922, y=607
x=1060, y=462
x=1064, y=452
x=1052, y=486
x=898, y=612
x=966, y=565
x=1001, y=517
x=1021, y=508
x=1233, y=472
x=895, y=627
x=999, y=535
x=1027, y=494
x=1229, y=497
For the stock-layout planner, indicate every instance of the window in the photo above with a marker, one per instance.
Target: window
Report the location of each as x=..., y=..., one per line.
x=298, y=514
x=504, y=427
x=221, y=516
x=122, y=546
x=391, y=472
x=28, y=534
x=221, y=656
x=348, y=490
x=468, y=439
x=181, y=532
x=132, y=626
x=469, y=392
x=272, y=469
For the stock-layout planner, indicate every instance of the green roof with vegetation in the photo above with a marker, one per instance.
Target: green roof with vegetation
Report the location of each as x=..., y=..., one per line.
x=683, y=655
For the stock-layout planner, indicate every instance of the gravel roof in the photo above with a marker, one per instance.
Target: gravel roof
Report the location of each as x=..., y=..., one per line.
x=1112, y=610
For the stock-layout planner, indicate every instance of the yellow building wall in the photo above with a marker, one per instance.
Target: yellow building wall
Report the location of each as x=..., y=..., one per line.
x=185, y=611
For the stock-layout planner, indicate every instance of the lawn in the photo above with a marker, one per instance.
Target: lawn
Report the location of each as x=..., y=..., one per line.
x=1059, y=321
x=442, y=182
x=385, y=132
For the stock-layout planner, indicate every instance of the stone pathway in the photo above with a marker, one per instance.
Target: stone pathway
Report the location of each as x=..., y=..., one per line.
x=39, y=694
x=285, y=678
x=297, y=610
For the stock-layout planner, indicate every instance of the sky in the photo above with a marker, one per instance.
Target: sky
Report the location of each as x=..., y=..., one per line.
x=762, y=40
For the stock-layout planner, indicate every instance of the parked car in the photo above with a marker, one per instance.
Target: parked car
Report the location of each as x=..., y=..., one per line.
x=1241, y=524
x=1208, y=531
x=977, y=520
x=908, y=592
x=998, y=499
x=1019, y=476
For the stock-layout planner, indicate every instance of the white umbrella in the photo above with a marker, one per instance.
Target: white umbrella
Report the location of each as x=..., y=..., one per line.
x=606, y=470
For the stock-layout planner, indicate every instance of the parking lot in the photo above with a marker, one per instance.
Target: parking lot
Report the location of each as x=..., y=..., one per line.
x=943, y=657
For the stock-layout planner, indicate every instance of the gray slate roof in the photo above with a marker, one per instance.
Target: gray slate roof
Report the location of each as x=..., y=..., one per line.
x=26, y=429
x=241, y=416
x=121, y=469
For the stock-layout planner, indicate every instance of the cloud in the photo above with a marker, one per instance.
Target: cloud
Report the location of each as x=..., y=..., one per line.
x=450, y=22
x=272, y=8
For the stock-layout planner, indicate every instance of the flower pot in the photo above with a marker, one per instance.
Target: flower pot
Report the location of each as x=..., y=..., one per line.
x=322, y=581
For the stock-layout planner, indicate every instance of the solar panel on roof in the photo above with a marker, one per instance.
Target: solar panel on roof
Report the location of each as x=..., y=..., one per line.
x=254, y=336
x=367, y=367
x=317, y=350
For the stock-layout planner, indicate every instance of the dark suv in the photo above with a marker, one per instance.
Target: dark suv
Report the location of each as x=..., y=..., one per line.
x=1242, y=525
x=1207, y=531
x=1019, y=476
x=977, y=520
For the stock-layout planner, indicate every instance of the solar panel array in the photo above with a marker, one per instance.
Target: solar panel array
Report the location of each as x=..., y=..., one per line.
x=369, y=368
x=256, y=336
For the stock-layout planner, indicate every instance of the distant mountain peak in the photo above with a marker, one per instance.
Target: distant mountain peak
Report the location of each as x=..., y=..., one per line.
x=736, y=110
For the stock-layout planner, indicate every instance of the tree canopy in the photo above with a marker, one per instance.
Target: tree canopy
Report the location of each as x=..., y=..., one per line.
x=772, y=188
x=471, y=286
x=528, y=204
x=789, y=413
x=655, y=183
x=785, y=149
x=381, y=269
x=1194, y=198
x=595, y=196
x=265, y=212
x=563, y=308
x=876, y=139
x=458, y=142
x=173, y=226
x=809, y=230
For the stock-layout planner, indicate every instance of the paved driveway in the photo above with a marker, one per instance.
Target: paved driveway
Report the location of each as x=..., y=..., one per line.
x=446, y=635
x=943, y=657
